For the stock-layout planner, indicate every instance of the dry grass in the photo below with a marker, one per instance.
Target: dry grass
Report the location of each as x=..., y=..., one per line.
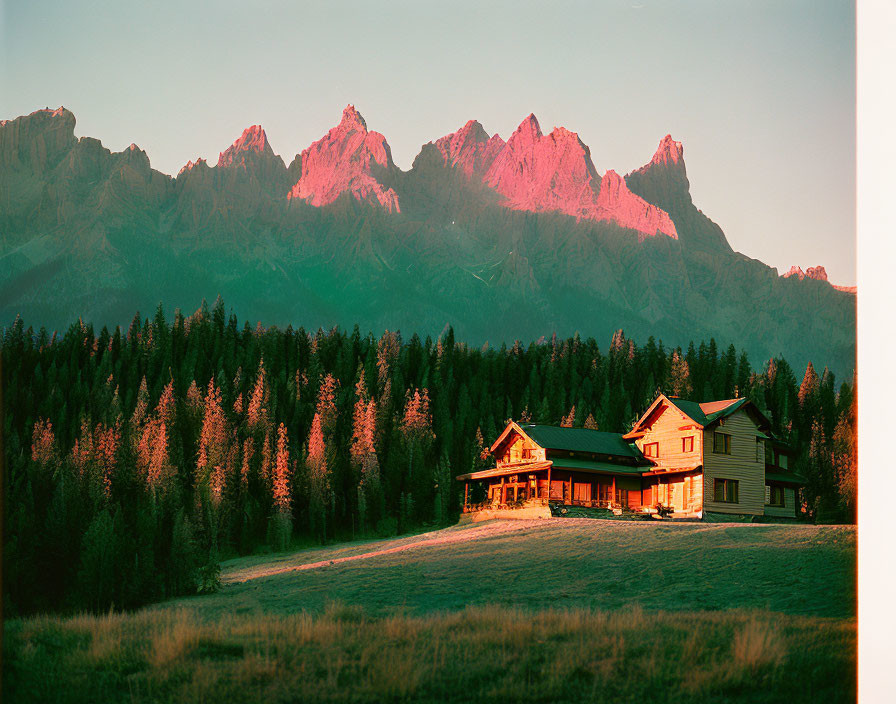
x=757, y=644
x=489, y=653
x=530, y=611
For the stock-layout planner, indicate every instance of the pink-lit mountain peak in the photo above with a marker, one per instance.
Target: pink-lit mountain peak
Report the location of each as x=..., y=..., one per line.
x=342, y=161
x=190, y=165
x=470, y=148
x=471, y=133
x=538, y=172
x=352, y=119
x=668, y=152
x=813, y=272
x=529, y=128
x=253, y=140
x=817, y=273
x=554, y=172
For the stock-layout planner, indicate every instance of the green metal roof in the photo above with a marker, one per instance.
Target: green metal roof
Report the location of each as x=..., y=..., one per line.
x=784, y=477
x=692, y=409
x=598, y=467
x=552, y=437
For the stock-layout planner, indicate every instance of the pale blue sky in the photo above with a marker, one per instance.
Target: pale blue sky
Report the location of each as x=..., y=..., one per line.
x=761, y=93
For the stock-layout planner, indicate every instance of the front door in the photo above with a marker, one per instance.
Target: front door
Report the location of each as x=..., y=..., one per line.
x=678, y=496
x=582, y=495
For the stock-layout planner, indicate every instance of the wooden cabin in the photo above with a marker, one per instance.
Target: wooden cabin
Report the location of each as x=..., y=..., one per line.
x=684, y=457
x=573, y=466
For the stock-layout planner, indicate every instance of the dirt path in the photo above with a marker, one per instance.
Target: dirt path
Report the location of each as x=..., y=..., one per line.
x=487, y=530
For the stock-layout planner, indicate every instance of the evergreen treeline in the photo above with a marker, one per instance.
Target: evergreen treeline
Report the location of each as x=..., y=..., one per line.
x=135, y=460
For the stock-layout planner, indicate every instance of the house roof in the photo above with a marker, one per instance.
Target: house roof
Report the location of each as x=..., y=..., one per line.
x=709, y=412
x=552, y=437
x=702, y=414
x=785, y=477
x=597, y=467
x=577, y=464
x=505, y=471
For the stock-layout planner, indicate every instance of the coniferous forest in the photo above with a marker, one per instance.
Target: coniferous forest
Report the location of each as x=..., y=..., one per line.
x=135, y=460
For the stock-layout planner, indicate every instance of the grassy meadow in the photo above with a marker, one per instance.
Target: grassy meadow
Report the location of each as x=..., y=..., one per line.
x=561, y=610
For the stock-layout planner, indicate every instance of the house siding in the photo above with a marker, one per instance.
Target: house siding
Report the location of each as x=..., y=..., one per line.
x=786, y=511
x=740, y=465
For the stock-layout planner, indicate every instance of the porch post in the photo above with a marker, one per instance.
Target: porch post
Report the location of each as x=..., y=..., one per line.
x=613, y=497
x=570, y=489
x=503, y=492
x=549, y=483
x=466, y=495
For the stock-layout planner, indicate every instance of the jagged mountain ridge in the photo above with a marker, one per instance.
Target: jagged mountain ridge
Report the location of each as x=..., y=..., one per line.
x=501, y=244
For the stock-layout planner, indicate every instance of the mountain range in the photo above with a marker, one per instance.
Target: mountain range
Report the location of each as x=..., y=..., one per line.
x=503, y=240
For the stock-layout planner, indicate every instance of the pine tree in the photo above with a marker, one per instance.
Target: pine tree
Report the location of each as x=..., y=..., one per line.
x=679, y=376
x=320, y=479
x=282, y=473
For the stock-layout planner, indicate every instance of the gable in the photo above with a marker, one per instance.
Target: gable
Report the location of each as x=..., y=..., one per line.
x=661, y=406
x=512, y=441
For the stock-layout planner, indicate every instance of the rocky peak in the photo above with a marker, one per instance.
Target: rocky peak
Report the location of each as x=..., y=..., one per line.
x=252, y=141
x=39, y=140
x=135, y=158
x=668, y=152
x=470, y=148
x=190, y=165
x=813, y=272
x=529, y=128
x=816, y=273
x=536, y=172
x=346, y=159
x=352, y=119
x=668, y=160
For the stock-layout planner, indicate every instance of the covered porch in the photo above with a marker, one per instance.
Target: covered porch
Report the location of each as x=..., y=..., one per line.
x=537, y=483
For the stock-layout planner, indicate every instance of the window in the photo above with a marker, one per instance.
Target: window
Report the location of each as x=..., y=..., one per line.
x=687, y=444
x=774, y=495
x=760, y=450
x=782, y=461
x=652, y=449
x=721, y=443
x=726, y=491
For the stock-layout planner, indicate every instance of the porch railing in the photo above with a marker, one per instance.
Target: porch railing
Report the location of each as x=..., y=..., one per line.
x=541, y=501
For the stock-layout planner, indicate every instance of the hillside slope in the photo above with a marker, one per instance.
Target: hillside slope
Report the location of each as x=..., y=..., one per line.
x=563, y=563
